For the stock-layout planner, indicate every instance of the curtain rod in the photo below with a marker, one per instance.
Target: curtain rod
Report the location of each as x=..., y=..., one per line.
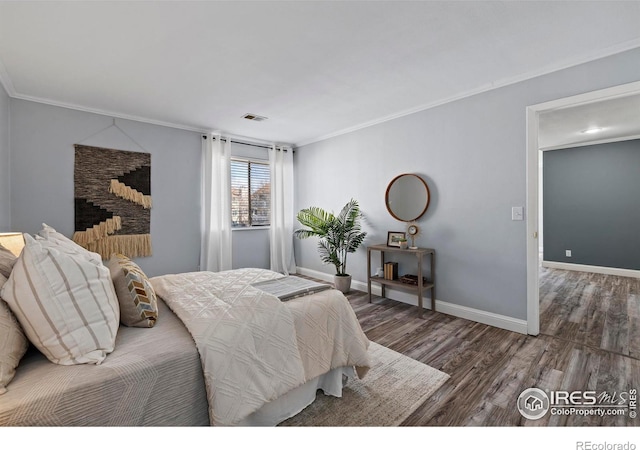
x=244, y=143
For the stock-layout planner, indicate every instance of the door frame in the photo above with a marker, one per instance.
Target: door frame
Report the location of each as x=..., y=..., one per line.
x=533, y=159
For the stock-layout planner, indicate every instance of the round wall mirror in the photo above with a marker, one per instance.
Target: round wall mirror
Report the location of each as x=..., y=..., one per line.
x=407, y=197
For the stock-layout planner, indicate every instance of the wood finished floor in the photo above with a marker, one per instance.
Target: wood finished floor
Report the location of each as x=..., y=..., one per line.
x=601, y=311
x=589, y=342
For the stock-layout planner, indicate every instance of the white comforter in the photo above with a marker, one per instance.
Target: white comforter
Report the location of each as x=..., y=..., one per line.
x=255, y=348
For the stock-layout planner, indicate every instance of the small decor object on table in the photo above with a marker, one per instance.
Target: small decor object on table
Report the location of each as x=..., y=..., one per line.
x=413, y=230
x=394, y=238
x=413, y=280
x=390, y=270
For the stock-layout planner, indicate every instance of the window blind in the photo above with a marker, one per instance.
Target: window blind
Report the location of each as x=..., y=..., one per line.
x=250, y=193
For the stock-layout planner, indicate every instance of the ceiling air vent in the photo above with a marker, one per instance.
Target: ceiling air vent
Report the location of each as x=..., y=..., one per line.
x=254, y=117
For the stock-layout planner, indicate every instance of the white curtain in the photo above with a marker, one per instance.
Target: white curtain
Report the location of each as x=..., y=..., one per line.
x=215, y=254
x=282, y=214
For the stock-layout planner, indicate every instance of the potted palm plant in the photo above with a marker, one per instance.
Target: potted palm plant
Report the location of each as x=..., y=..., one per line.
x=339, y=235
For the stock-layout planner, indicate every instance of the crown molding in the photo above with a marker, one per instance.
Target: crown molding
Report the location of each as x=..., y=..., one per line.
x=113, y=114
x=7, y=83
x=609, y=51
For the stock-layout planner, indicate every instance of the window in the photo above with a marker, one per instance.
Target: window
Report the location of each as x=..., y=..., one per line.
x=250, y=193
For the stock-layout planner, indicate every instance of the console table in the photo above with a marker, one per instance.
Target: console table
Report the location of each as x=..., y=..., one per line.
x=419, y=253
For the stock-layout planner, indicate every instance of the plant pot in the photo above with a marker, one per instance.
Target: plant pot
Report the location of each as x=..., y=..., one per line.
x=342, y=283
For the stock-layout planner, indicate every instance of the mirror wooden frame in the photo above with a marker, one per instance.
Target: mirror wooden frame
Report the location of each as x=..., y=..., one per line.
x=386, y=197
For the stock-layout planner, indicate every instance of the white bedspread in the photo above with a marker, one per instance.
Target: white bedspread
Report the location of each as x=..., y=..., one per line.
x=255, y=348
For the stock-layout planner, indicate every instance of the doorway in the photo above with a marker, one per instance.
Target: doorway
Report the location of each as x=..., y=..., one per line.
x=592, y=100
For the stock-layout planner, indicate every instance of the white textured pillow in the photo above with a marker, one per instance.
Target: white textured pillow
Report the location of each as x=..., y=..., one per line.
x=67, y=245
x=13, y=343
x=66, y=304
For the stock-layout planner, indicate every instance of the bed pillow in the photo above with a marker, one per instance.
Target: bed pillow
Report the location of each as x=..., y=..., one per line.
x=66, y=244
x=13, y=342
x=138, y=301
x=66, y=304
x=7, y=260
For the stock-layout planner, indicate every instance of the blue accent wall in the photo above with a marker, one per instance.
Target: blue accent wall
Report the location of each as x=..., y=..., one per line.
x=591, y=205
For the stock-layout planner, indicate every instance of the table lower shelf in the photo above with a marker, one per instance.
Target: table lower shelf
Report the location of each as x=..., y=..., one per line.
x=400, y=284
x=410, y=287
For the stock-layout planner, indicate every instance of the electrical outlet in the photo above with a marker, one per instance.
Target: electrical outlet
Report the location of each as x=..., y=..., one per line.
x=567, y=253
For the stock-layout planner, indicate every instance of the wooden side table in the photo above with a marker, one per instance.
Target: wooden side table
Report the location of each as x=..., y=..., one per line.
x=419, y=289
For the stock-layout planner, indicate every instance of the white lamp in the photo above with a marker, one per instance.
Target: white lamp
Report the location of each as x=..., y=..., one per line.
x=14, y=242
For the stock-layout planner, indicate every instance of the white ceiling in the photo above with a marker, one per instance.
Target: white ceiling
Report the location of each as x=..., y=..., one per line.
x=601, y=121
x=315, y=69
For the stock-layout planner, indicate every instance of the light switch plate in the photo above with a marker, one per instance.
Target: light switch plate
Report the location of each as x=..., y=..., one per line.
x=517, y=213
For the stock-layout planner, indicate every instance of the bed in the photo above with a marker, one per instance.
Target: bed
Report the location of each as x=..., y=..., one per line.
x=221, y=349
x=133, y=386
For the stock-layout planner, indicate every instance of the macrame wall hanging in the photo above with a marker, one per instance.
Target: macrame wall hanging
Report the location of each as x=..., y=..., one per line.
x=112, y=191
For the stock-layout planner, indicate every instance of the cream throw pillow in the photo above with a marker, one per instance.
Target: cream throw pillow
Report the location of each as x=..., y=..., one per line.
x=65, y=303
x=13, y=343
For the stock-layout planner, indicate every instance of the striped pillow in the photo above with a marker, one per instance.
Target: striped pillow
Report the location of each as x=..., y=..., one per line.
x=7, y=260
x=138, y=302
x=65, y=303
x=13, y=343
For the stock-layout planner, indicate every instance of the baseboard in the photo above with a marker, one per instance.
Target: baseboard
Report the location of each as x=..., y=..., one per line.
x=315, y=274
x=463, y=312
x=593, y=269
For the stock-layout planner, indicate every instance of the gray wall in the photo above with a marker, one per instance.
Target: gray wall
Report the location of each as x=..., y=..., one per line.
x=5, y=178
x=472, y=153
x=250, y=248
x=592, y=205
x=42, y=158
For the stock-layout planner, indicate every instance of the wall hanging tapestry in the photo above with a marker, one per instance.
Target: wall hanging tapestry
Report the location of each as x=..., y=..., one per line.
x=112, y=191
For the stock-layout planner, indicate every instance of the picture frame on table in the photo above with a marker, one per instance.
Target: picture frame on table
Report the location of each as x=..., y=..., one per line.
x=395, y=237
